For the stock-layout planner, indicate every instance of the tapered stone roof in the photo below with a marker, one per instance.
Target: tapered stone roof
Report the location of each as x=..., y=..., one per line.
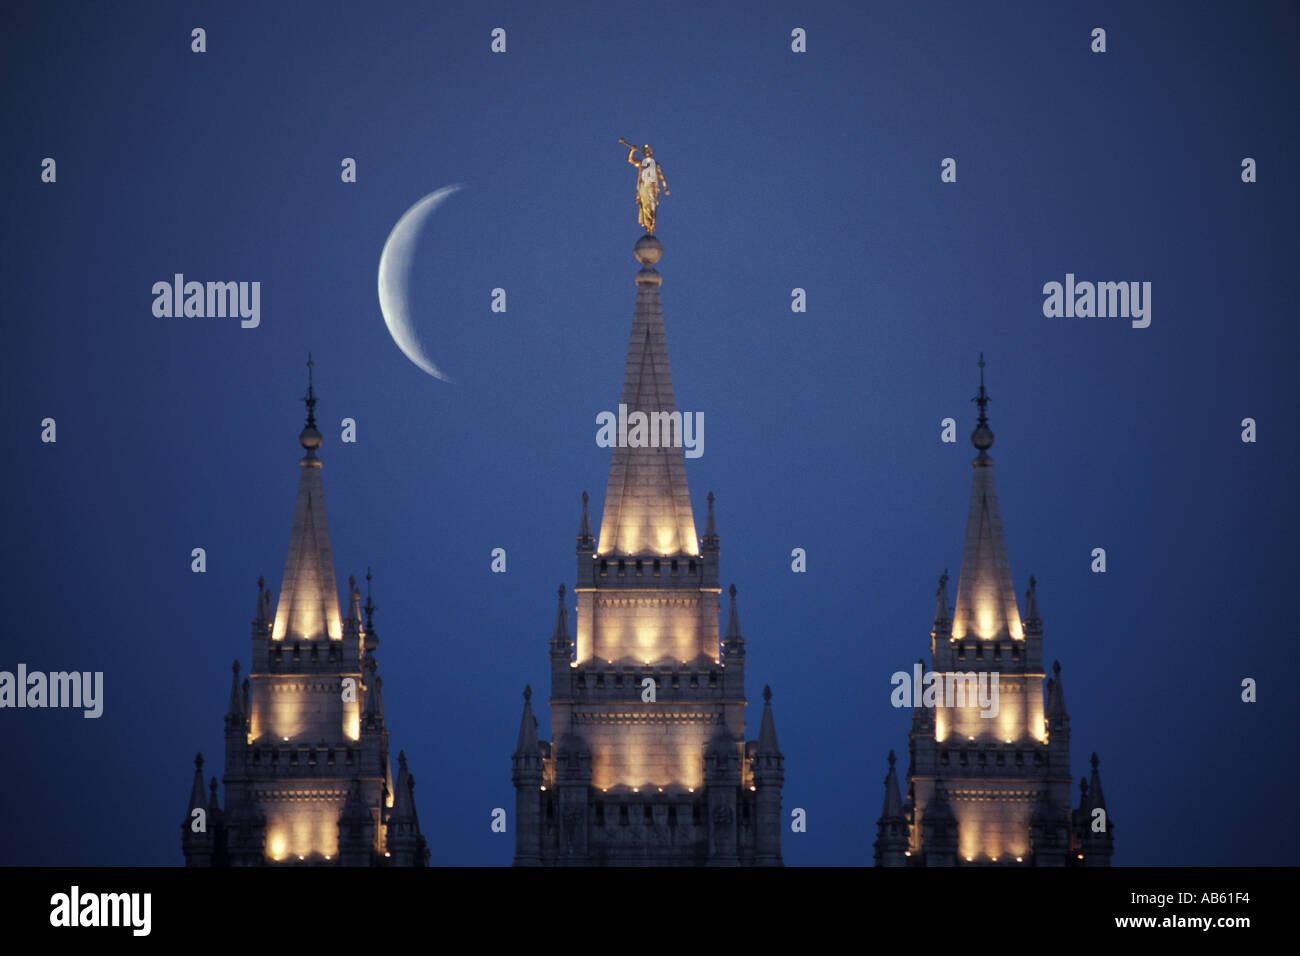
x=647, y=502
x=309, y=600
x=986, y=602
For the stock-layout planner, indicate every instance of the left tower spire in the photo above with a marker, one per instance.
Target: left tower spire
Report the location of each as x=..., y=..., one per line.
x=307, y=773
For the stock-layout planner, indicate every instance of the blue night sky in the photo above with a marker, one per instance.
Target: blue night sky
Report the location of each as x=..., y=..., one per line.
x=819, y=171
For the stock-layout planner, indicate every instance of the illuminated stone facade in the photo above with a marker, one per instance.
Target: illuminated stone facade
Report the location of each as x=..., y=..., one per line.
x=631, y=780
x=995, y=789
x=307, y=773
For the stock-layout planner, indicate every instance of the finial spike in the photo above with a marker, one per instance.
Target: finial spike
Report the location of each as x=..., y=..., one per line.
x=311, y=393
x=310, y=437
x=370, y=607
x=982, y=437
x=528, y=692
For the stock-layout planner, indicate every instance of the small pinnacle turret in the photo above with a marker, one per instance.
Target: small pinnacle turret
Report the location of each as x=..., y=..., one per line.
x=1094, y=785
x=353, y=627
x=235, y=704
x=733, y=644
x=260, y=617
x=406, y=847
x=941, y=613
x=197, y=838
x=585, y=538
x=768, y=768
x=1096, y=837
x=1056, y=694
x=526, y=745
x=767, y=729
x=891, y=828
x=893, y=806
x=198, y=796
x=709, y=543
x=561, y=645
x=1032, y=619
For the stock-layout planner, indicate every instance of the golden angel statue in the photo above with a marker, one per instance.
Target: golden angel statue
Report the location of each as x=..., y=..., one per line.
x=647, y=184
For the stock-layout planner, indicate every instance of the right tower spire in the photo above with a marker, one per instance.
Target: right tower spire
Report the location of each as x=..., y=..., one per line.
x=989, y=780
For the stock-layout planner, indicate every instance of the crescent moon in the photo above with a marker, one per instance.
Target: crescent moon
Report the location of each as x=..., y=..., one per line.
x=395, y=274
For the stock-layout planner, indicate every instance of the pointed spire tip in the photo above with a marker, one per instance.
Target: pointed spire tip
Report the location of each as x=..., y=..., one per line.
x=982, y=437
x=585, y=537
x=310, y=437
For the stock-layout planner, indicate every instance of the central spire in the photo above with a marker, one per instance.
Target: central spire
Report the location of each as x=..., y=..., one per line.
x=647, y=502
x=986, y=601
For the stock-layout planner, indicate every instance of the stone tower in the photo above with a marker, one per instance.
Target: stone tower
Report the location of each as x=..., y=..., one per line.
x=307, y=773
x=649, y=765
x=989, y=785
